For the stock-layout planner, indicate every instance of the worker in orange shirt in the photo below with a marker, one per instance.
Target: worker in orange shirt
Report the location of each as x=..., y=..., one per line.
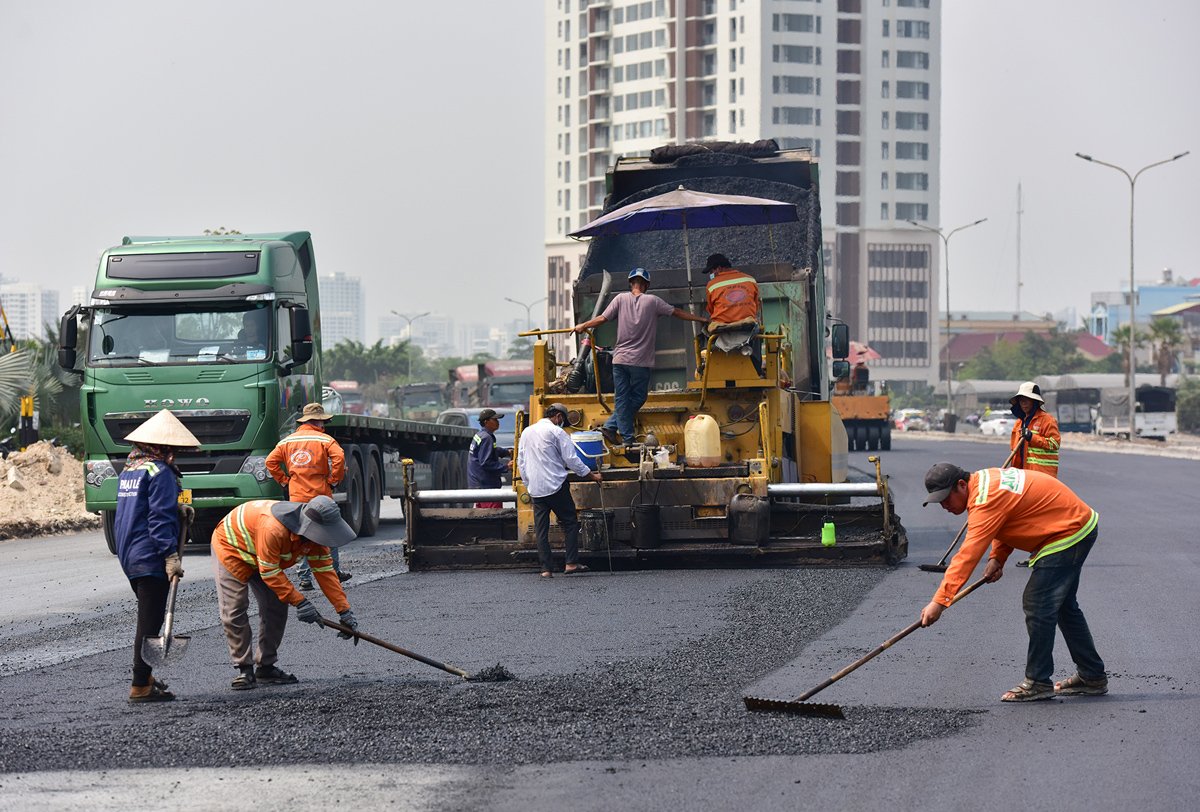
x=315, y=464
x=733, y=298
x=1038, y=427
x=1012, y=508
x=252, y=547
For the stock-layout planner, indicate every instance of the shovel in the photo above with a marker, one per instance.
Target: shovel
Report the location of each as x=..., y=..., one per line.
x=167, y=650
x=799, y=706
x=449, y=669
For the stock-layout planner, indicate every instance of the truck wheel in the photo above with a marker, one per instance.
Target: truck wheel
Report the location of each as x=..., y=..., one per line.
x=371, y=496
x=872, y=437
x=885, y=440
x=862, y=437
x=462, y=470
x=352, y=508
x=201, y=533
x=110, y=529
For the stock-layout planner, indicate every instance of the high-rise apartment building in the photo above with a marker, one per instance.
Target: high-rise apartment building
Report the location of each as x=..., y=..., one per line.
x=29, y=308
x=857, y=82
x=343, y=309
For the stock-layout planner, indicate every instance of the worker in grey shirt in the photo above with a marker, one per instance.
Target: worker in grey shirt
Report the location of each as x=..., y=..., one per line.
x=636, y=313
x=544, y=453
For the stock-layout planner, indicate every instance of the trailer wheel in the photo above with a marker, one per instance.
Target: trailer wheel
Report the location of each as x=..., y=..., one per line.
x=201, y=533
x=862, y=437
x=110, y=529
x=463, y=482
x=371, y=497
x=885, y=440
x=352, y=508
x=872, y=437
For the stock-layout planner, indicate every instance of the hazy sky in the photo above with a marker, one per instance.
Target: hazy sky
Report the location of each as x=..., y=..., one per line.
x=407, y=137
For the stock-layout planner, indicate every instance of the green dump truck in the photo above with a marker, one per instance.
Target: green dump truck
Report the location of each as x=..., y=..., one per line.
x=225, y=331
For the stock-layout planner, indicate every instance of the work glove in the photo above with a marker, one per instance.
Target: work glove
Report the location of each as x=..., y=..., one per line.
x=1028, y=435
x=187, y=513
x=174, y=566
x=307, y=613
x=348, y=619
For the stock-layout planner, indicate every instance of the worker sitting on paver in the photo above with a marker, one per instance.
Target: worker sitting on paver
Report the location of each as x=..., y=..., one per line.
x=543, y=457
x=147, y=532
x=315, y=463
x=251, y=548
x=636, y=313
x=1038, y=427
x=485, y=462
x=1011, y=508
x=734, y=309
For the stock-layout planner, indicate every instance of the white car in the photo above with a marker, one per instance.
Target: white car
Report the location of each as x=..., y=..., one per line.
x=997, y=424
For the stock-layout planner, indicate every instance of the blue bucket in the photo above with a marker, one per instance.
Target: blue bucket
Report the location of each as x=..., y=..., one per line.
x=589, y=445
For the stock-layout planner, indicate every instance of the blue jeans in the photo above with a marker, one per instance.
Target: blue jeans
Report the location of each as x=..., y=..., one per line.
x=304, y=571
x=1049, y=601
x=632, y=385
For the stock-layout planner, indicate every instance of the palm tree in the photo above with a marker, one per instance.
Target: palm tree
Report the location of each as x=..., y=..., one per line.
x=1165, y=331
x=1120, y=338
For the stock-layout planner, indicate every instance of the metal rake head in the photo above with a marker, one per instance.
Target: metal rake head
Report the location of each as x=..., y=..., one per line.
x=755, y=703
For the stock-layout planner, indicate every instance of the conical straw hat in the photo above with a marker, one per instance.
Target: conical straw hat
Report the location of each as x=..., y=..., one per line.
x=163, y=429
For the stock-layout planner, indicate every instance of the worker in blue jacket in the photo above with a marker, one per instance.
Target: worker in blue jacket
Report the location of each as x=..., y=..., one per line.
x=147, y=531
x=485, y=465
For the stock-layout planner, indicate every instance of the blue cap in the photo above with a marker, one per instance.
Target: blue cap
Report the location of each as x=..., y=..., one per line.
x=640, y=273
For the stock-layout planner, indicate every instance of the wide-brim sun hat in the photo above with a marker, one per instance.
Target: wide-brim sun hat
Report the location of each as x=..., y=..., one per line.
x=1030, y=390
x=163, y=428
x=320, y=521
x=313, y=411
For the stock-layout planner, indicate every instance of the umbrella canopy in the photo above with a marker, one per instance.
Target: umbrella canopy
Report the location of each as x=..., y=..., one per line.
x=684, y=209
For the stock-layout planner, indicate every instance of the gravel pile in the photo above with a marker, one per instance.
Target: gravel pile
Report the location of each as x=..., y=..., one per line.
x=47, y=498
x=685, y=701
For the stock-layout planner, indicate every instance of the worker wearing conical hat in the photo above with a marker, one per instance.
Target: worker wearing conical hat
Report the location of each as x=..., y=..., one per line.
x=1039, y=429
x=147, y=530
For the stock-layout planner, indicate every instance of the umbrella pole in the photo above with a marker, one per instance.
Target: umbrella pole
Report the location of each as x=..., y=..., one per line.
x=687, y=258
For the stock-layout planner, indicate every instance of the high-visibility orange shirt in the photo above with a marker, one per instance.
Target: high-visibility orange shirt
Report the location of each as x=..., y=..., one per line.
x=251, y=539
x=315, y=463
x=1040, y=453
x=1014, y=509
x=732, y=296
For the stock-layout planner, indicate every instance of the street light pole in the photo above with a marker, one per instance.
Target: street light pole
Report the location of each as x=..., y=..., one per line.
x=946, y=243
x=410, y=320
x=1132, y=364
x=526, y=306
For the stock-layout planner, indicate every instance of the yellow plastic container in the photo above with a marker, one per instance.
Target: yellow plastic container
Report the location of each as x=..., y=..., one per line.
x=702, y=442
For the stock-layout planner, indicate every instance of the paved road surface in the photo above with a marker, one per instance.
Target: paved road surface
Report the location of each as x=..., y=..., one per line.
x=924, y=727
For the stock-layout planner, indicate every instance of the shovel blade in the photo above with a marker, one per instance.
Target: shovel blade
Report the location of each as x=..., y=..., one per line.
x=755, y=703
x=158, y=651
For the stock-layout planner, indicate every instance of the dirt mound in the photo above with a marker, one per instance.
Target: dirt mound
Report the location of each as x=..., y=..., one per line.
x=41, y=494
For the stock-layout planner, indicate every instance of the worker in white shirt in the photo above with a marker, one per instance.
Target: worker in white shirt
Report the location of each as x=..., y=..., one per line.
x=544, y=454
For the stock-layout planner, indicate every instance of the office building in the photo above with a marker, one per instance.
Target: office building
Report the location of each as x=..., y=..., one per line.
x=857, y=82
x=29, y=307
x=343, y=309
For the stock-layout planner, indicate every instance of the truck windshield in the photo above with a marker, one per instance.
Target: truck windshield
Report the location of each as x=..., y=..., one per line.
x=506, y=393
x=208, y=333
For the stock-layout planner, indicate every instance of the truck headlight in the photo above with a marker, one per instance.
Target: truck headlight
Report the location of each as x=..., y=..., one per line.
x=257, y=467
x=98, y=471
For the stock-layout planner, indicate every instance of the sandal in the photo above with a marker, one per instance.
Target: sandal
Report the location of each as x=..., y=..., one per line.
x=1079, y=686
x=578, y=568
x=244, y=680
x=154, y=692
x=1029, y=691
x=547, y=575
x=274, y=675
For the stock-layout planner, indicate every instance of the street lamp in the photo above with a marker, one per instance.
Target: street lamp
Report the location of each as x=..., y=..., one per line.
x=410, y=320
x=1132, y=364
x=946, y=243
x=526, y=306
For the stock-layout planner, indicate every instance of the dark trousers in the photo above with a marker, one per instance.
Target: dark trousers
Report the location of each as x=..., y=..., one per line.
x=563, y=507
x=1049, y=601
x=152, y=608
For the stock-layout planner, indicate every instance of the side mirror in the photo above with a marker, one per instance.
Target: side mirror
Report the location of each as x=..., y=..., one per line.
x=841, y=369
x=68, y=337
x=302, y=340
x=840, y=341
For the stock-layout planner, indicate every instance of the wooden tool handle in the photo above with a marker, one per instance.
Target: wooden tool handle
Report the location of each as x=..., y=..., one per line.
x=361, y=636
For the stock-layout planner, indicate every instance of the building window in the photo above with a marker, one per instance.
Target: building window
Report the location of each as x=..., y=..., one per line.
x=912, y=151
x=847, y=214
x=883, y=211
x=912, y=90
x=849, y=61
x=912, y=29
x=912, y=121
x=733, y=91
x=883, y=150
x=802, y=23
x=886, y=61
x=848, y=92
x=567, y=116
x=732, y=60
x=912, y=211
x=567, y=172
x=798, y=85
x=912, y=59
x=886, y=28
x=916, y=181
x=885, y=90
x=849, y=153
x=793, y=115
x=732, y=29
x=884, y=120
x=883, y=180
x=911, y=3
x=733, y=121
x=847, y=122
x=742, y=118
x=660, y=98
x=660, y=67
x=847, y=184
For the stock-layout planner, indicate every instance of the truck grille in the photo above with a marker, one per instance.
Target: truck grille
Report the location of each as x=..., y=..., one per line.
x=211, y=426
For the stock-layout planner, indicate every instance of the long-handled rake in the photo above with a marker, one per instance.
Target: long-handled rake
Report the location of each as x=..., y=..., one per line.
x=798, y=705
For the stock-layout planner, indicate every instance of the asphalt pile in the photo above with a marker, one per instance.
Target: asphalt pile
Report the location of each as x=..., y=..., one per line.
x=41, y=494
x=680, y=701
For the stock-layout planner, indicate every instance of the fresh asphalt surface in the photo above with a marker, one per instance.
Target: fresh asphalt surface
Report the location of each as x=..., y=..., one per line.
x=629, y=686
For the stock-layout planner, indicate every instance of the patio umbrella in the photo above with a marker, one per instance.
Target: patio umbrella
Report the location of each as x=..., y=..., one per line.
x=683, y=209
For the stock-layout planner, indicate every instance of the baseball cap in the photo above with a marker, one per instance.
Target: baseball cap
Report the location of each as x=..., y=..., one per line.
x=640, y=273
x=556, y=407
x=941, y=479
x=488, y=414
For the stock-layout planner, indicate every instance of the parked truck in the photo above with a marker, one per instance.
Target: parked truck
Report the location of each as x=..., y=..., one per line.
x=773, y=470
x=866, y=411
x=225, y=331
x=499, y=384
